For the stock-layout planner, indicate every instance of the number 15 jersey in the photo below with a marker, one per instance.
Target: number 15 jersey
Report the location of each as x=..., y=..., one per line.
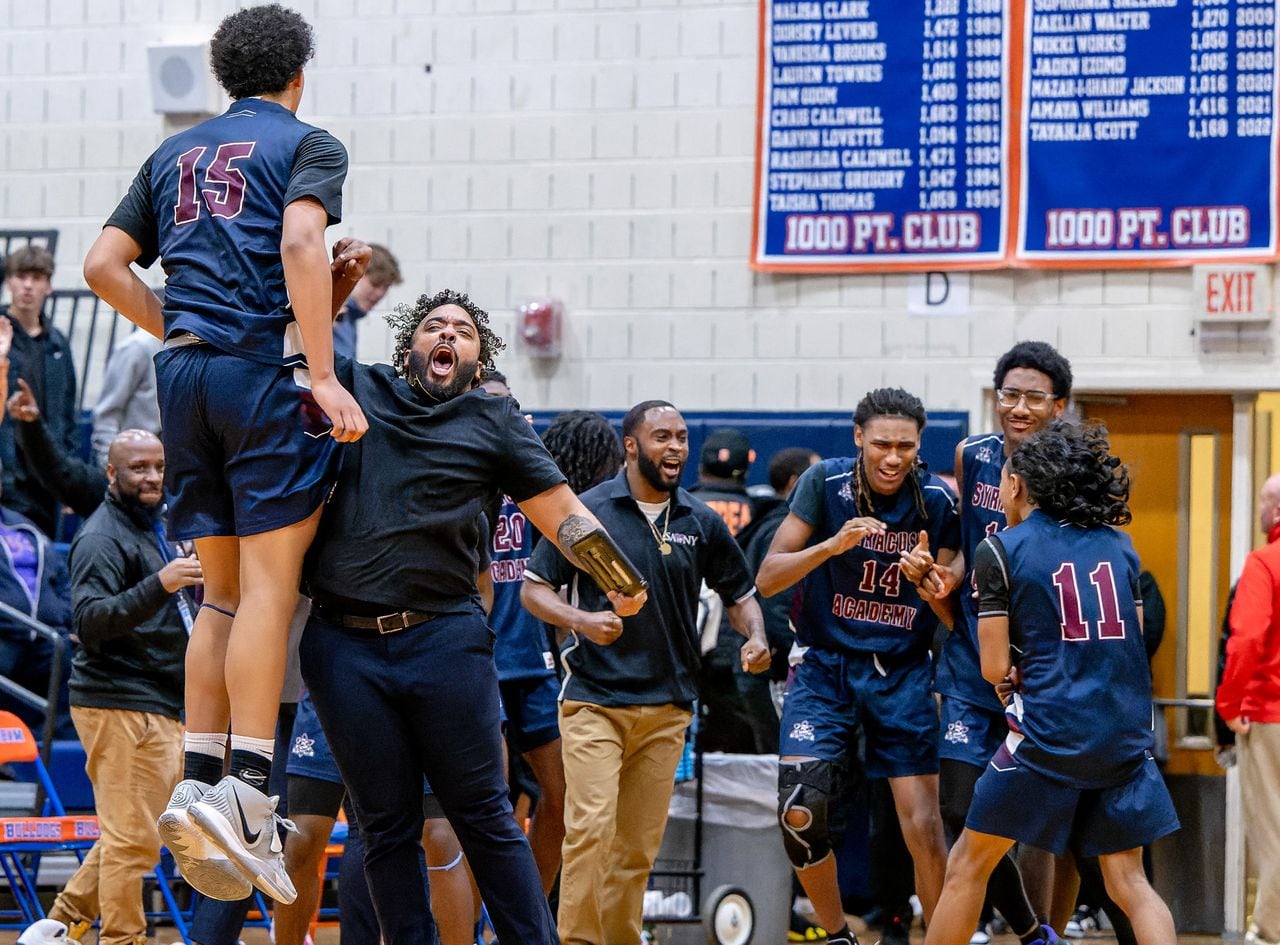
x=1071, y=596
x=209, y=203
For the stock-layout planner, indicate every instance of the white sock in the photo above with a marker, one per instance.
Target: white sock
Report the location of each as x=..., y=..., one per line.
x=206, y=743
x=266, y=747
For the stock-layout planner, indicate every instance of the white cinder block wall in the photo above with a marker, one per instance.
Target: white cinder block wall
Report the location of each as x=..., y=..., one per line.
x=600, y=151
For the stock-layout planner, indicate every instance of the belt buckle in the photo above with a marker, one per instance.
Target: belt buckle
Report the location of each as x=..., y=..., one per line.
x=403, y=617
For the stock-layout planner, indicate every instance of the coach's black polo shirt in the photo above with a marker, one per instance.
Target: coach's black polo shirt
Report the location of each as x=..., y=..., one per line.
x=655, y=659
x=402, y=529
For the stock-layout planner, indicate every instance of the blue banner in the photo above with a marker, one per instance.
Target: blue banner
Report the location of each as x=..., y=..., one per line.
x=1148, y=131
x=883, y=137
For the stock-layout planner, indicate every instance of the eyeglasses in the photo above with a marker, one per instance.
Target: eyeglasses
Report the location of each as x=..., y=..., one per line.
x=1009, y=397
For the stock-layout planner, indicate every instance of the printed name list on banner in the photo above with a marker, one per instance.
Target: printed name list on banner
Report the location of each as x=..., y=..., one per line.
x=1148, y=131
x=882, y=135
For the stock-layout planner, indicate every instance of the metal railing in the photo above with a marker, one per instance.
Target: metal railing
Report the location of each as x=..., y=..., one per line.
x=48, y=704
x=16, y=239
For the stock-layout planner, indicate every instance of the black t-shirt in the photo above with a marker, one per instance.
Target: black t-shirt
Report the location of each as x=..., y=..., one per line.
x=402, y=528
x=655, y=661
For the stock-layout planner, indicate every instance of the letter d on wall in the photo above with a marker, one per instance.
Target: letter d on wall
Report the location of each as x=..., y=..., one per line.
x=938, y=294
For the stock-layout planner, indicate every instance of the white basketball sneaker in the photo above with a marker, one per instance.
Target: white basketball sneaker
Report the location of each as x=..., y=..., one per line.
x=203, y=866
x=242, y=822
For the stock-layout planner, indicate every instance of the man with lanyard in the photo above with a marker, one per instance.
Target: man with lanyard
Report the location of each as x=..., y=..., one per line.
x=132, y=617
x=1032, y=385
x=397, y=655
x=630, y=685
x=868, y=634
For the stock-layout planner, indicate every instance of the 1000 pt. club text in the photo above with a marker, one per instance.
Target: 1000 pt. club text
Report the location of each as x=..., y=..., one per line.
x=1147, y=228
x=849, y=233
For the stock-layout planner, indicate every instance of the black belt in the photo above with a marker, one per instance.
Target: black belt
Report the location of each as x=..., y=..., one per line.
x=387, y=623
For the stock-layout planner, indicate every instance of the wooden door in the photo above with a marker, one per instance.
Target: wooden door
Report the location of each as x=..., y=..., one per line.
x=1178, y=449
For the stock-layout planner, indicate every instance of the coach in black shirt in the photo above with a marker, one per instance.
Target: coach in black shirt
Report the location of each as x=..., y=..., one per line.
x=630, y=684
x=397, y=655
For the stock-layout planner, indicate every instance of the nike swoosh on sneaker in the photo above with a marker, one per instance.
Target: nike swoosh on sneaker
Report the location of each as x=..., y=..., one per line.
x=251, y=837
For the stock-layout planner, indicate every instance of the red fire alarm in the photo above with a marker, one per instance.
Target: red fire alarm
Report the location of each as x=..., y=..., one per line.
x=540, y=327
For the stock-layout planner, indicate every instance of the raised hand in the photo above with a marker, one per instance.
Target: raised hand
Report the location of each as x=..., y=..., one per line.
x=350, y=259
x=22, y=405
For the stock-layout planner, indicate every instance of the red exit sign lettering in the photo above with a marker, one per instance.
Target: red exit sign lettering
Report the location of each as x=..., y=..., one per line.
x=1233, y=293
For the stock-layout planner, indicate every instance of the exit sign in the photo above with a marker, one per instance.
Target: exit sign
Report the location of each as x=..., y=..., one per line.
x=1233, y=293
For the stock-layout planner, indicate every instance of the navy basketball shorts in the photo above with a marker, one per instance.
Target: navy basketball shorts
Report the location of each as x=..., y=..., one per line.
x=309, y=754
x=310, y=758
x=532, y=709
x=1010, y=800
x=247, y=449
x=970, y=733
x=834, y=693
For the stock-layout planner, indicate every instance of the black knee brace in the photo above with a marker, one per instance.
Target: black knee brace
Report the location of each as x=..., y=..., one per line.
x=805, y=788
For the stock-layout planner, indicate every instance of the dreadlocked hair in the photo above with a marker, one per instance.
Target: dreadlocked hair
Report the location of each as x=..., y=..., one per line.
x=888, y=402
x=1071, y=474
x=404, y=321
x=585, y=448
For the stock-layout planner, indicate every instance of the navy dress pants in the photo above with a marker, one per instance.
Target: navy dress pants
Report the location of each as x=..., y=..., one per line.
x=424, y=700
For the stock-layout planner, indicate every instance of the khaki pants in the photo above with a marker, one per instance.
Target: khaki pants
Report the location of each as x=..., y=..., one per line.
x=619, y=771
x=1260, y=781
x=134, y=759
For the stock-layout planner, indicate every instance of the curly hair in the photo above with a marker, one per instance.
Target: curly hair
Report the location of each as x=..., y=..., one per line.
x=1071, y=475
x=888, y=402
x=1038, y=356
x=259, y=50
x=404, y=321
x=585, y=447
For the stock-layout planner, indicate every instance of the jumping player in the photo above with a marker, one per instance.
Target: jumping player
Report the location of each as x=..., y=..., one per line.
x=1033, y=386
x=868, y=633
x=1059, y=591
x=236, y=209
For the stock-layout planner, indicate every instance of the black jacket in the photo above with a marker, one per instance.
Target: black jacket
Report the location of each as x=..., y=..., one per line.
x=132, y=636
x=53, y=382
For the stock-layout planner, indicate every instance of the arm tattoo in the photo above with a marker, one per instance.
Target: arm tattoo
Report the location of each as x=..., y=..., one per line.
x=572, y=530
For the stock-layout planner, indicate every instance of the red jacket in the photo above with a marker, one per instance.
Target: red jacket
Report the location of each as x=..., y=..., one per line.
x=1250, y=684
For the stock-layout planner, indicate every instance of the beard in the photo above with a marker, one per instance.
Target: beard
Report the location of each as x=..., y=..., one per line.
x=652, y=474
x=134, y=500
x=418, y=374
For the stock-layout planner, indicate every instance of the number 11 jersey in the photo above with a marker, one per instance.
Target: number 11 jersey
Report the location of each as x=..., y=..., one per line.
x=1071, y=596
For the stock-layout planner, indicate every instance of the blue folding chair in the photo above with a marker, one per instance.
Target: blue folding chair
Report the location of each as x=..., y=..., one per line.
x=23, y=840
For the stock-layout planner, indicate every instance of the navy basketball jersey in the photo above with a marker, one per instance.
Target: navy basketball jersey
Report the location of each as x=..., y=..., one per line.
x=858, y=600
x=217, y=194
x=1071, y=596
x=521, y=650
x=981, y=515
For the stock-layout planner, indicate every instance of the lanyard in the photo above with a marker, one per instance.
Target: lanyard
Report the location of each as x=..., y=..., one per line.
x=166, y=552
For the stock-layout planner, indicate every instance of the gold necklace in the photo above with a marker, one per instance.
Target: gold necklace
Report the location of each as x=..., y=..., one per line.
x=663, y=545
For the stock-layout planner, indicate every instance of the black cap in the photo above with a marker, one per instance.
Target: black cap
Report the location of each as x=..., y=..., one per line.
x=726, y=453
